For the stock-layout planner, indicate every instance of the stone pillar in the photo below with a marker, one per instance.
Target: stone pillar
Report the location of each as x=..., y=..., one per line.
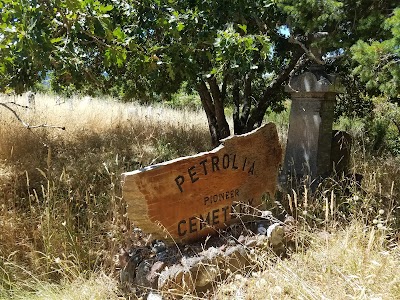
x=308, y=149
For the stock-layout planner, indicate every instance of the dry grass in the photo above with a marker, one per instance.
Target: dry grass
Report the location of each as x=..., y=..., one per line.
x=62, y=219
x=96, y=287
x=351, y=263
x=61, y=214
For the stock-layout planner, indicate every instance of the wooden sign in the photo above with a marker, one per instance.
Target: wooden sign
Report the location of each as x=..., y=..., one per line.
x=191, y=197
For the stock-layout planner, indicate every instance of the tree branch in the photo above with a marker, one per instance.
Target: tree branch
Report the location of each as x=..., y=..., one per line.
x=14, y=103
x=258, y=112
x=295, y=40
x=260, y=24
x=97, y=39
x=27, y=125
x=205, y=97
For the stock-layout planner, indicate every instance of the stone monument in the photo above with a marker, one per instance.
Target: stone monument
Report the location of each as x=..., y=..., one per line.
x=308, y=149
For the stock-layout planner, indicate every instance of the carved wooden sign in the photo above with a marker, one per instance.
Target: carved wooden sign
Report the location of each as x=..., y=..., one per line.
x=191, y=197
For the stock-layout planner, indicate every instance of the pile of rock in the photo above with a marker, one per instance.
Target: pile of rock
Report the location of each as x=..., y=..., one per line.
x=196, y=267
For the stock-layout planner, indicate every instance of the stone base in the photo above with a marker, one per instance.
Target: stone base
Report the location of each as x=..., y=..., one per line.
x=195, y=268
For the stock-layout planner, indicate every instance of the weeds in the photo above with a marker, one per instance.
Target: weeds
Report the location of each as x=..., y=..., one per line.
x=61, y=213
x=352, y=263
x=62, y=219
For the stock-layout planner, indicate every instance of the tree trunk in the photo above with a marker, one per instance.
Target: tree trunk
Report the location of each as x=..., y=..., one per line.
x=237, y=124
x=246, y=117
x=223, y=126
x=242, y=112
x=213, y=105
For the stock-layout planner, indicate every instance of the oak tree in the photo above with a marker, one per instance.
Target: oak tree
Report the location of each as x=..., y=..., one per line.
x=234, y=52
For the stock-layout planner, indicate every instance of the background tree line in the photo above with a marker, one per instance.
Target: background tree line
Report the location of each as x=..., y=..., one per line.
x=238, y=53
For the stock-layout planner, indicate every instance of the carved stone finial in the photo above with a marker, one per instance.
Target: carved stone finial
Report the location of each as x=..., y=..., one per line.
x=314, y=81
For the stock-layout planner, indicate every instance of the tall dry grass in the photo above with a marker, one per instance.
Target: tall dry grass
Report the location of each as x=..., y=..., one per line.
x=61, y=212
x=350, y=263
x=62, y=218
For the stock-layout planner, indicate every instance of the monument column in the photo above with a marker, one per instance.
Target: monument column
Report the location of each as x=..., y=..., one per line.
x=308, y=149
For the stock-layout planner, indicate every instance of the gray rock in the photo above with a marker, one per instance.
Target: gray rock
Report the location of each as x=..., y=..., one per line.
x=205, y=274
x=143, y=269
x=190, y=262
x=148, y=272
x=211, y=253
x=154, y=296
x=275, y=234
x=261, y=229
x=176, y=279
x=158, y=246
x=251, y=242
x=236, y=258
x=241, y=239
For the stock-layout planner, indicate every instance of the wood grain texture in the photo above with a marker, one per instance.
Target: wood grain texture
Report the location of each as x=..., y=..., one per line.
x=191, y=197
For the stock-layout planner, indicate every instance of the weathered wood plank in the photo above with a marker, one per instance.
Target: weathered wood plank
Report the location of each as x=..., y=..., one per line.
x=191, y=197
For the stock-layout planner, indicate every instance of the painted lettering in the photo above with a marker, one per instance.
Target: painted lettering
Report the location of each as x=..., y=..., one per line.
x=215, y=217
x=192, y=174
x=233, y=163
x=203, y=163
x=224, y=209
x=179, y=181
x=214, y=163
x=180, y=232
x=220, y=197
x=251, y=170
x=192, y=225
x=250, y=201
x=225, y=161
x=244, y=164
x=204, y=222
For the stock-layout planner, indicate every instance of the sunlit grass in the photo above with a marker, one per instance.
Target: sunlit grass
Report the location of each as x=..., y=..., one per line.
x=96, y=287
x=349, y=263
x=62, y=219
x=61, y=212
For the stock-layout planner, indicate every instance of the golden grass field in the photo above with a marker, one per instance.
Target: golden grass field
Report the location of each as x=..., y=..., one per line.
x=62, y=219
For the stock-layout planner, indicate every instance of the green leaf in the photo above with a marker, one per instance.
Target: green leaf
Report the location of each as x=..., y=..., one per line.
x=214, y=71
x=180, y=26
x=171, y=72
x=104, y=9
x=243, y=27
x=119, y=34
x=56, y=40
x=5, y=16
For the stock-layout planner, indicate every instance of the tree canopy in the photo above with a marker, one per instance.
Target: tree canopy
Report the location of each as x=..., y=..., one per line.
x=379, y=58
x=236, y=52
